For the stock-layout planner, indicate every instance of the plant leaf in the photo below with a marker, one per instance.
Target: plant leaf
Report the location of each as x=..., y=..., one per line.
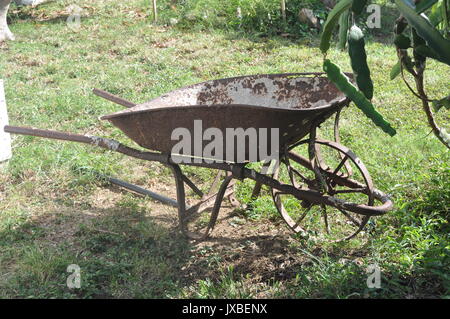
x=445, y=12
x=426, y=51
x=445, y=136
x=358, y=59
x=425, y=5
x=330, y=24
x=401, y=41
x=395, y=71
x=433, y=38
x=343, y=83
x=343, y=29
x=435, y=15
x=358, y=6
x=438, y=104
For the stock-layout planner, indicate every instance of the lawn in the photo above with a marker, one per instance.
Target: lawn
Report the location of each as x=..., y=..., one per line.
x=55, y=211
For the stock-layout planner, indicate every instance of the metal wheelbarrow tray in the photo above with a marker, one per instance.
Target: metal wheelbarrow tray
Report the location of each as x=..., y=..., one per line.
x=290, y=102
x=295, y=104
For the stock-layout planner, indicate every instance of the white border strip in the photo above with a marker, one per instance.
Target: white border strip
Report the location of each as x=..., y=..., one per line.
x=5, y=138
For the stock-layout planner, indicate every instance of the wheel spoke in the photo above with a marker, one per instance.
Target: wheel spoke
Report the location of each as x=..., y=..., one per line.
x=335, y=173
x=299, y=220
x=325, y=219
x=303, y=215
x=306, y=180
x=297, y=144
x=350, y=218
x=290, y=173
x=319, y=220
x=352, y=190
x=278, y=193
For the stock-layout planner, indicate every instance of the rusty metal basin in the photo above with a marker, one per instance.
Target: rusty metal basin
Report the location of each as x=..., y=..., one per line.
x=290, y=102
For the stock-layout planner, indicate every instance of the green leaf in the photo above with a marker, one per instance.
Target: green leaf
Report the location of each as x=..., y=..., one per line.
x=426, y=51
x=358, y=59
x=408, y=64
x=402, y=41
x=343, y=29
x=435, y=15
x=445, y=12
x=358, y=6
x=425, y=5
x=330, y=24
x=344, y=85
x=438, y=104
x=419, y=59
x=445, y=136
x=433, y=38
x=396, y=69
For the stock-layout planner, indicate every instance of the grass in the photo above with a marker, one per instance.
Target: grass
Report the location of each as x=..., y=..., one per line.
x=55, y=212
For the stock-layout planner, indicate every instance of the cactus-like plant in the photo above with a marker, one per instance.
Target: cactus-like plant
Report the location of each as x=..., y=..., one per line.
x=418, y=37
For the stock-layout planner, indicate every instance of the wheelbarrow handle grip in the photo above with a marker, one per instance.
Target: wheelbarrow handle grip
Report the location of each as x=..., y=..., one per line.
x=115, y=99
x=47, y=134
x=102, y=142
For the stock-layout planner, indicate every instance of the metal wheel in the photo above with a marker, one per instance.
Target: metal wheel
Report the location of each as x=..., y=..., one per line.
x=330, y=177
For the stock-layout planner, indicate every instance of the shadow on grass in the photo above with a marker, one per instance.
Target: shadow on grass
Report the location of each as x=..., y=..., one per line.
x=122, y=253
x=41, y=14
x=125, y=252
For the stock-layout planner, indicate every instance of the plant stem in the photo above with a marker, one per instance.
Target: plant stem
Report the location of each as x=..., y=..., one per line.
x=283, y=10
x=427, y=109
x=155, y=12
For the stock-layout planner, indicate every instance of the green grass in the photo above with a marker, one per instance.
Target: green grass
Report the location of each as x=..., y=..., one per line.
x=55, y=212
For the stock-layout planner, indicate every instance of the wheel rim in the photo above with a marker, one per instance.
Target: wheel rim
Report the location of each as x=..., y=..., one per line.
x=322, y=222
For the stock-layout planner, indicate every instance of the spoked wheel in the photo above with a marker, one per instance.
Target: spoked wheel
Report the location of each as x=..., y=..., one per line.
x=198, y=211
x=328, y=173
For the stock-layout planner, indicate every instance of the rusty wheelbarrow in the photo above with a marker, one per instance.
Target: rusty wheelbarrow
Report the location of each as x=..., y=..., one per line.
x=321, y=189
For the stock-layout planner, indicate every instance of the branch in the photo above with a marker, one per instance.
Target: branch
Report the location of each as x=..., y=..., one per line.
x=440, y=133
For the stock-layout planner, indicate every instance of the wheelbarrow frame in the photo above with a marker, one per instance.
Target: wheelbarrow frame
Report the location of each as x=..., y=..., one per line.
x=234, y=171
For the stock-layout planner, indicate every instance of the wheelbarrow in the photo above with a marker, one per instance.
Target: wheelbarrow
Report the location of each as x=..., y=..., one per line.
x=320, y=188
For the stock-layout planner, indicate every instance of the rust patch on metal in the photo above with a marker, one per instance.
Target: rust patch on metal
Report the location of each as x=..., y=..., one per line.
x=288, y=102
x=280, y=91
